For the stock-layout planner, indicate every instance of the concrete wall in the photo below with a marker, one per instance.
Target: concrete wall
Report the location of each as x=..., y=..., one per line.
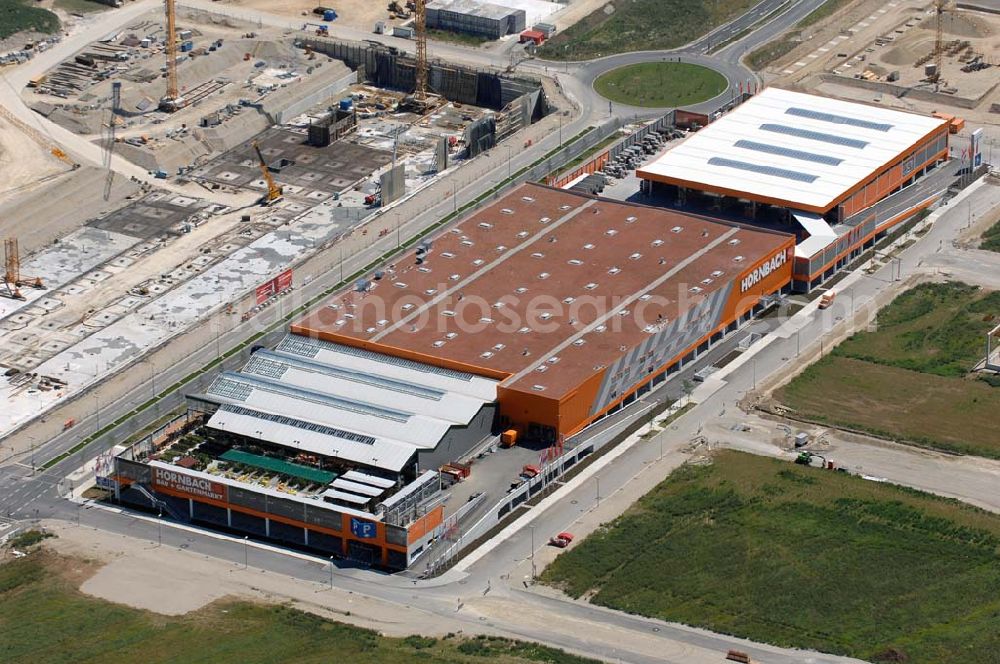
x=911, y=93
x=285, y=104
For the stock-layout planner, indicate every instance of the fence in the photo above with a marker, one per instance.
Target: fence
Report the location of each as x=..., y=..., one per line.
x=597, y=162
x=456, y=539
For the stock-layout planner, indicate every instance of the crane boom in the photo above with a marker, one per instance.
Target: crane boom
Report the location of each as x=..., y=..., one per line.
x=171, y=100
x=274, y=190
x=420, y=23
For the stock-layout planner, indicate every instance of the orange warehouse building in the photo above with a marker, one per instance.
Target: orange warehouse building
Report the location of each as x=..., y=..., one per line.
x=573, y=303
x=834, y=173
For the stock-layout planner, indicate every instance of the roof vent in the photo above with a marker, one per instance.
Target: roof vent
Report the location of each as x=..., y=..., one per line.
x=611, y=232
x=737, y=259
x=438, y=344
x=538, y=254
x=527, y=199
x=538, y=388
x=506, y=211
x=447, y=254
x=486, y=355
x=523, y=234
x=588, y=246
x=544, y=220
x=485, y=224
x=591, y=286
x=499, y=346
x=541, y=369
x=575, y=261
x=636, y=256
x=630, y=220
x=614, y=270
x=451, y=335
x=544, y=275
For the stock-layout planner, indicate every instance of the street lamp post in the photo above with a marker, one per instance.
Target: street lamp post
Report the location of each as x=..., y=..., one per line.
x=159, y=524
x=331, y=572
x=509, y=153
x=246, y=552
x=532, y=552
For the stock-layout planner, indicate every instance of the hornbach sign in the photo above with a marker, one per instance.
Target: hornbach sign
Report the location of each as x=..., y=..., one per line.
x=197, y=487
x=762, y=271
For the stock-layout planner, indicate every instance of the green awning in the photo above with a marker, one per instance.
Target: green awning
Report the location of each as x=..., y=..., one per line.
x=280, y=467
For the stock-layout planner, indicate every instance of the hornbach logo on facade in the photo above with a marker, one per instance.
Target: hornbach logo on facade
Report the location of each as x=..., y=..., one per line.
x=762, y=270
x=195, y=486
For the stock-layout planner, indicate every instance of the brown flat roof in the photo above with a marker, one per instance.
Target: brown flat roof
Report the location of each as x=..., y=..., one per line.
x=545, y=287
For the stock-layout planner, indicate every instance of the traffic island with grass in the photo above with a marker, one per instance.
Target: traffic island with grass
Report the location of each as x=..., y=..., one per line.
x=801, y=557
x=660, y=84
x=910, y=379
x=45, y=618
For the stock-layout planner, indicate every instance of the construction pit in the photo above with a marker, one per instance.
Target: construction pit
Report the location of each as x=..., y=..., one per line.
x=156, y=259
x=903, y=57
x=236, y=79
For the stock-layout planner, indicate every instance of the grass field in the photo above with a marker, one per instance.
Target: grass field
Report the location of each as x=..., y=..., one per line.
x=801, y=557
x=660, y=84
x=641, y=25
x=19, y=15
x=908, y=379
x=457, y=37
x=43, y=618
x=991, y=238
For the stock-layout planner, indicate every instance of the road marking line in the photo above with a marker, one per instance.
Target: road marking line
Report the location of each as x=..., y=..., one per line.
x=823, y=49
x=788, y=71
x=813, y=55
x=800, y=64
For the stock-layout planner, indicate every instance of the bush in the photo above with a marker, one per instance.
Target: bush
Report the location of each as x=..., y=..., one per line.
x=18, y=16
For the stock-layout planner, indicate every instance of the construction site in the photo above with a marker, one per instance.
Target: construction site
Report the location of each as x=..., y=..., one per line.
x=245, y=132
x=940, y=50
x=917, y=55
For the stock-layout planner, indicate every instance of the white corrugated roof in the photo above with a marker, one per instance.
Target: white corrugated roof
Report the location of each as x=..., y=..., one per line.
x=356, y=487
x=384, y=453
x=378, y=389
x=456, y=382
x=357, y=415
x=803, y=149
x=342, y=402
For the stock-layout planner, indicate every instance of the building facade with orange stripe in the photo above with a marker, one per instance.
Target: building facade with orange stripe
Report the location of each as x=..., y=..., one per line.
x=575, y=304
x=823, y=169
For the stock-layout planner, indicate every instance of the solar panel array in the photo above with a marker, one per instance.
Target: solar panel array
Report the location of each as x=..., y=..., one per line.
x=230, y=389
x=302, y=394
x=788, y=152
x=814, y=135
x=393, y=360
x=837, y=119
x=763, y=170
x=300, y=424
x=352, y=375
x=264, y=367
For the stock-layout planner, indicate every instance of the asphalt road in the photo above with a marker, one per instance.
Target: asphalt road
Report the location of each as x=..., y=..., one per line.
x=27, y=495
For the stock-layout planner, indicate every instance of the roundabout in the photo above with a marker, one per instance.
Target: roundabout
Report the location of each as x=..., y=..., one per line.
x=660, y=84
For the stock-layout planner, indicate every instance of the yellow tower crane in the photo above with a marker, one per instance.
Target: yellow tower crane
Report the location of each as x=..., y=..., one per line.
x=274, y=190
x=172, y=100
x=420, y=25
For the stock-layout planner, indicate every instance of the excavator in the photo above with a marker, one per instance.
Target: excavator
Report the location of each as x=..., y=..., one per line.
x=275, y=192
